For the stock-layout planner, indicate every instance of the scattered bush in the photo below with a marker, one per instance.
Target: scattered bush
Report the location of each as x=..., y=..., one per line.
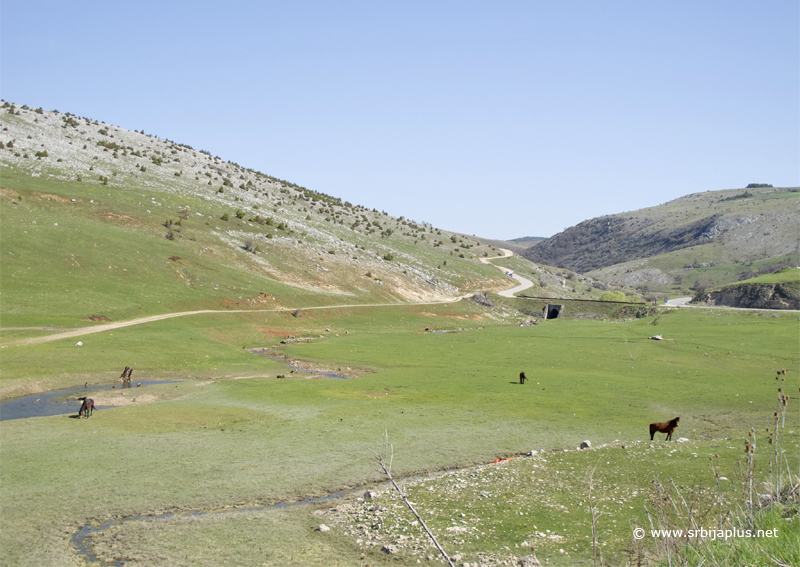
x=109, y=145
x=251, y=246
x=613, y=296
x=225, y=217
x=744, y=195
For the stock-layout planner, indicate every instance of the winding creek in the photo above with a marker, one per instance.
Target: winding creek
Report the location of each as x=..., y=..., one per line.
x=62, y=402
x=264, y=353
x=82, y=538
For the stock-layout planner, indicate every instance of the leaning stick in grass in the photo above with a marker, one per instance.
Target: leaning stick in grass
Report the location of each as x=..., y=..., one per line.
x=386, y=470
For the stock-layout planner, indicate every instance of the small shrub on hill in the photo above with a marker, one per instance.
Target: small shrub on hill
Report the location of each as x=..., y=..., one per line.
x=251, y=246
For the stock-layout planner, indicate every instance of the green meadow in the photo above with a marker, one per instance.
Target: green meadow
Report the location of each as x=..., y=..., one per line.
x=232, y=435
x=205, y=470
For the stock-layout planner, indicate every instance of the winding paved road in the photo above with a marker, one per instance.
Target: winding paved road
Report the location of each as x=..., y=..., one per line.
x=523, y=282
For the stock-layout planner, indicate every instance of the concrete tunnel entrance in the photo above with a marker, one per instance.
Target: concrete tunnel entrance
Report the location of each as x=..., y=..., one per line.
x=552, y=311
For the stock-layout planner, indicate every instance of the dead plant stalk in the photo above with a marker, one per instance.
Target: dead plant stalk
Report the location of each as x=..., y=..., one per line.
x=386, y=471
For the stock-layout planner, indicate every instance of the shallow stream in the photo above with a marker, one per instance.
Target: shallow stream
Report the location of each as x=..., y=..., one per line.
x=55, y=402
x=331, y=375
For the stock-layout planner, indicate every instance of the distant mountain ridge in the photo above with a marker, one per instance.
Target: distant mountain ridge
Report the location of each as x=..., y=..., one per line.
x=745, y=225
x=525, y=239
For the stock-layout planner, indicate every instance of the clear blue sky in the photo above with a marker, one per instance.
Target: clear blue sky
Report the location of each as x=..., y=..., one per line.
x=500, y=119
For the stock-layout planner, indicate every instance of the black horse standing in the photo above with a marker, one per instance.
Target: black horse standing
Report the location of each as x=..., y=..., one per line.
x=522, y=377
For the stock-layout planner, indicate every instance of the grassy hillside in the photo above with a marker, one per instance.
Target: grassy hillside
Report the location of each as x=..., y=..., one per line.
x=735, y=230
x=122, y=224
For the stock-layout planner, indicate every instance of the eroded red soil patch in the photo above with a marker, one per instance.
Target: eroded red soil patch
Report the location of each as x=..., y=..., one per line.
x=452, y=316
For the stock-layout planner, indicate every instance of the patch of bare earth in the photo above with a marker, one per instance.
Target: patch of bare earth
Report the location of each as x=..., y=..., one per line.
x=452, y=316
x=50, y=197
x=123, y=398
x=115, y=217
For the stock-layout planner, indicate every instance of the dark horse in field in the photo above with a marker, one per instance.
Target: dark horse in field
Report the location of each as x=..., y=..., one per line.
x=87, y=407
x=666, y=427
x=522, y=377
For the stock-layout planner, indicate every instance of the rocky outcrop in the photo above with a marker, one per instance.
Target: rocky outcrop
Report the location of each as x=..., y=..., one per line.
x=753, y=296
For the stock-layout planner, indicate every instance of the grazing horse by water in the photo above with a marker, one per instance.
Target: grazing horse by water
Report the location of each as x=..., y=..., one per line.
x=666, y=427
x=87, y=407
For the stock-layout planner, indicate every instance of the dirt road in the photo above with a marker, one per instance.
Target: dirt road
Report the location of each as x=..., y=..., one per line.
x=72, y=333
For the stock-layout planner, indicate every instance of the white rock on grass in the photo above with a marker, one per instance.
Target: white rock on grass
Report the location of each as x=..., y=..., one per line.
x=586, y=445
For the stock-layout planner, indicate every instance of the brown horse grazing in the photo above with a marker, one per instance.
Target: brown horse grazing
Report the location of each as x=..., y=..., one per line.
x=87, y=407
x=522, y=377
x=667, y=427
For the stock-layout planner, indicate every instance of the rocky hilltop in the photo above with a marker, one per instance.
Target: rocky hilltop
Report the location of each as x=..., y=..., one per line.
x=743, y=224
